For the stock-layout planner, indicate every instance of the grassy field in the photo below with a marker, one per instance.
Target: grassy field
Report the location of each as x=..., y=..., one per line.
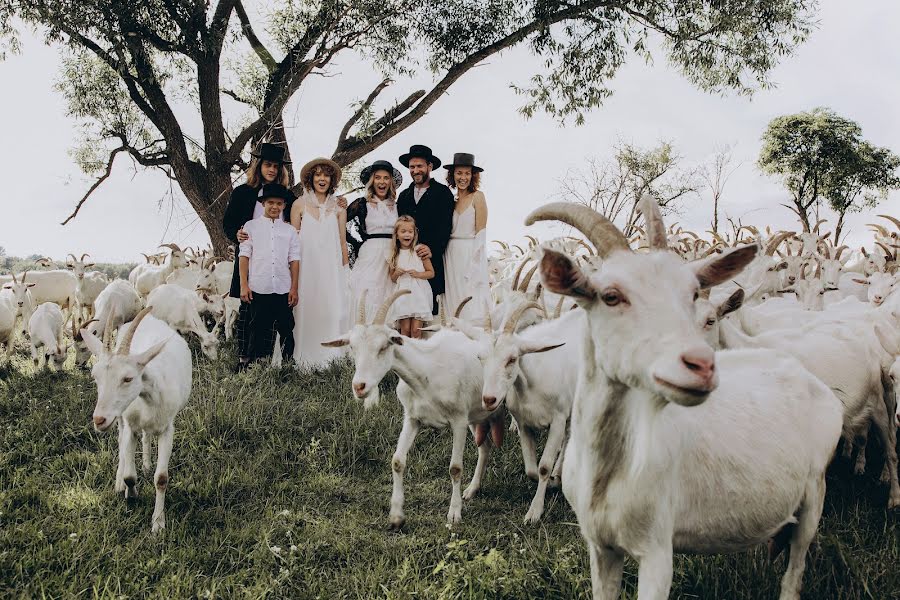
x=279, y=489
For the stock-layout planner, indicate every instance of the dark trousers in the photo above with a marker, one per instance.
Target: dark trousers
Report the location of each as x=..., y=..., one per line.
x=270, y=313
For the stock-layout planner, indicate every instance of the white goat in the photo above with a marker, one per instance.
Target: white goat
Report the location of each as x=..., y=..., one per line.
x=152, y=276
x=55, y=286
x=537, y=389
x=180, y=308
x=8, y=312
x=431, y=397
x=647, y=474
x=118, y=303
x=143, y=385
x=709, y=316
x=891, y=344
x=23, y=301
x=45, y=329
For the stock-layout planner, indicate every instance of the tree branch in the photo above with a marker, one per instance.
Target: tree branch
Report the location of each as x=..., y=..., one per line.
x=264, y=55
x=367, y=104
x=101, y=179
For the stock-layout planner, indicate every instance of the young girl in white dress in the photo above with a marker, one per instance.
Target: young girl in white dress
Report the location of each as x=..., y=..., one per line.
x=410, y=273
x=322, y=311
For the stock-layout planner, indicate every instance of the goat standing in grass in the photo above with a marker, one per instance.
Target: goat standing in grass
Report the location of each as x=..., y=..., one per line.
x=440, y=386
x=142, y=385
x=674, y=447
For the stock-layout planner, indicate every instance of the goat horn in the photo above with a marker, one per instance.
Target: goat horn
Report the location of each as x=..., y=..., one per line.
x=893, y=220
x=803, y=270
x=24, y=273
x=881, y=229
x=818, y=273
x=382, y=313
x=503, y=245
x=171, y=246
x=518, y=273
x=887, y=251
x=83, y=255
x=442, y=310
x=815, y=228
x=125, y=346
x=73, y=257
x=533, y=241
x=361, y=310
x=558, y=311
x=692, y=234
x=599, y=230
x=527, y=281
x=513, y=320
x=519, y=248
x=461, y=305
x=13, y=273
x=76, y=335
x=776, y=241
x=107, y=333
x=147, y=257
x=839, y=250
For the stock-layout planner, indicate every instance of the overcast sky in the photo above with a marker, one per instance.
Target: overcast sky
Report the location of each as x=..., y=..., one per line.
x=850, y=64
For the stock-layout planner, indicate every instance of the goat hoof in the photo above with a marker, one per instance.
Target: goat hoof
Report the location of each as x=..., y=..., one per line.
x=470, y=492
x=885, y=474
x=554, y=482
x=158, y=525
x=533, y=516
x=396, y=524
x=454, y=516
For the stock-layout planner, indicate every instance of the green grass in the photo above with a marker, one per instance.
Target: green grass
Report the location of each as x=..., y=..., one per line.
x=280, y=487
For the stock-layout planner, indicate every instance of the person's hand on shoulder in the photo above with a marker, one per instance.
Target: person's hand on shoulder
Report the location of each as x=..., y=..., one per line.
x=242, y=236
x=423, y=251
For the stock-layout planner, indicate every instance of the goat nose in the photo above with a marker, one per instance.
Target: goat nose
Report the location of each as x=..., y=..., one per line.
x=99, y=421
x=359, y=388
x=701, y=361
x=488, y=401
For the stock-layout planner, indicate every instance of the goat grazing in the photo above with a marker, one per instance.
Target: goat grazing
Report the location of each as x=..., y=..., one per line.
x=180, y=308
x=665, y=451
x=143, y=385
x=45, y=329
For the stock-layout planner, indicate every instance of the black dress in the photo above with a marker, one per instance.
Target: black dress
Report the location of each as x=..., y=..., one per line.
x=434, y=218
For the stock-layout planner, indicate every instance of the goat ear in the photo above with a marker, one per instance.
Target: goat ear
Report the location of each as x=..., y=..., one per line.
x=888, y=342
x=534, y=347
x=8, y=286
x=149, y=354
x=733, y=303
x=29, y=285
x=561, y=276
x=341, y=341
x=718, y=269
x=92, y=342
x=860, y=281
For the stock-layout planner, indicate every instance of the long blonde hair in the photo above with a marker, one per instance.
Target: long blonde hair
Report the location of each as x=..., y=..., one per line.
x=255, y=178
x=395, y=248
x=370, y=188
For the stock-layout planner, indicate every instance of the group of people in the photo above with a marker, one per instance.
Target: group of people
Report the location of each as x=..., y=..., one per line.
x=293, y=253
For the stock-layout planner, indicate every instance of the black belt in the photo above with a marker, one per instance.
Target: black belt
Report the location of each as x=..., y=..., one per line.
x=379, y=236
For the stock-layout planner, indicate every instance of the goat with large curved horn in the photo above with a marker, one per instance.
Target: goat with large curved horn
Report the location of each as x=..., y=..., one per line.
x=382, y=313
x=461, y=306
x=533, y=241
x=656, y=229
x=893, y=220
x=518, y=273
x=171, y=246
x=125, y=346
x=776, y=241
x=361, y=311
x=888, y=253
x=599, y=230
x=881, y=229
x=527, y=281
x=818, y=224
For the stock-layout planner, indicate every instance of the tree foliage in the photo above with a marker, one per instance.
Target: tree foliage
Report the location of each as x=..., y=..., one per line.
x=821, y=155
x=141, y=74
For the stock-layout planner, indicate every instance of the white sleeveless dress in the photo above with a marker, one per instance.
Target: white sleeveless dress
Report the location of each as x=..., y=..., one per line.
x=465, y=268
x=322, y=311
x=370, y=271
x=417, y=304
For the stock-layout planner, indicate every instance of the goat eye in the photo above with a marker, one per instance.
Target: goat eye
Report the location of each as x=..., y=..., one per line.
x=710, y=322
x=127, y=379
x=696, y=296
x=510, y=362
x=612, y=298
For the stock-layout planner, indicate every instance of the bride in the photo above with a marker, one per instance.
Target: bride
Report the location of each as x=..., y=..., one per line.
x=321, y=313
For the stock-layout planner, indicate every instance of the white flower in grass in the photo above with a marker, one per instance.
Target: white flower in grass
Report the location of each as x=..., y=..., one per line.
x=275, y=549
x=73, y=536
x=293, y=548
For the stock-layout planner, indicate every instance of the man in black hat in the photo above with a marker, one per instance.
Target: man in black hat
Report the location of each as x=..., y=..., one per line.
x=267, y=166
x=431, y=204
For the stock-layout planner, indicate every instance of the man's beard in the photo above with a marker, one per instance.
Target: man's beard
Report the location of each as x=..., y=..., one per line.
x=419, y=178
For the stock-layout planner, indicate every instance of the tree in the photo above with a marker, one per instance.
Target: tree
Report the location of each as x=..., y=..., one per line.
x=613, y=188
x=805, y=149
x=716, y=175
x=141, y=74
x=860, y=181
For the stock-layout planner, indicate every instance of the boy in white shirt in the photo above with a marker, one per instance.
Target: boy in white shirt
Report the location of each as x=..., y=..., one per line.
x=269, y=272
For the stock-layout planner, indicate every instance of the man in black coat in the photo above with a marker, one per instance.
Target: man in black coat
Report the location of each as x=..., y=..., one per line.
x=431, y=204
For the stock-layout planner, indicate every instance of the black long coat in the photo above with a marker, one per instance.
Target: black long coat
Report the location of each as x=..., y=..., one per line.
x=237, y=213
x=434, y=218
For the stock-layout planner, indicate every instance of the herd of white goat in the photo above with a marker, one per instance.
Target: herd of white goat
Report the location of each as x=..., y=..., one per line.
x=694, y=391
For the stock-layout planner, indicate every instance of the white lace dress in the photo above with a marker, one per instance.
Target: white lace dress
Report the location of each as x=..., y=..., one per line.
x=465, y=268
x=322, y=311
x=417, y=304
x=370, y=271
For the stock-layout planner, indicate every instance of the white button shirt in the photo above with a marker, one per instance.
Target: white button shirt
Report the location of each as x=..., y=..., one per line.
x=273, y=244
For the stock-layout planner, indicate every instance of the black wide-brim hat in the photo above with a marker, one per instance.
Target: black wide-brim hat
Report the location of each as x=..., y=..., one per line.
x=381, y=165
x=271, y=152
x=420, y=151
x=274, y=190
x=463, y=159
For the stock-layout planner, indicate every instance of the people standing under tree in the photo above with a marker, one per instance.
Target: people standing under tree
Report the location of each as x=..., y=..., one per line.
x=431, y=205
x=375, y=215
x=410, y=273
x=266, y=166
x=269, y=266
x=322, y=311
x=465, y=261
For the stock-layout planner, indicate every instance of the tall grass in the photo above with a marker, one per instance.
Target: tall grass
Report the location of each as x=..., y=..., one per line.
x=279, y=489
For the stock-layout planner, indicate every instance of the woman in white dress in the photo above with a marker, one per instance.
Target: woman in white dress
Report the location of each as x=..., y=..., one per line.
x=322, y=312
x=465, y=261
x=410, y=273
x=375, y=215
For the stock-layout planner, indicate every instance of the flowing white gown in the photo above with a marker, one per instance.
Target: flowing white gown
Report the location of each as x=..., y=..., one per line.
x=322, y=311
x=465, y=268
x=370, y=271
x=417, y=304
